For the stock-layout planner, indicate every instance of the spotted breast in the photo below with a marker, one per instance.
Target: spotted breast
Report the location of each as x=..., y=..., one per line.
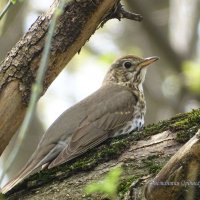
x=137, y=121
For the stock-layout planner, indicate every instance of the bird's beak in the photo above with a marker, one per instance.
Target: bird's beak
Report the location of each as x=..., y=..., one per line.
x=147, y=61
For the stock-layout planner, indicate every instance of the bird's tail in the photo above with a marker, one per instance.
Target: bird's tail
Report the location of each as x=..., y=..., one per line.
x=40, y=158
x=26, y=170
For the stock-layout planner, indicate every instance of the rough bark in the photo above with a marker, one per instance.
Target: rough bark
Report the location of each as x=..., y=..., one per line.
x=180, y=174
x=141, y=154
x=18, y=70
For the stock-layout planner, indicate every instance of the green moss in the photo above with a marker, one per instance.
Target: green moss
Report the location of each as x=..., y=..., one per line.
x=154, y=168
x=180, y=124
x=186, y=126
x=184, y=136
x=125, y=185
x=152, y=164
x=156, y=128
x=111, y=149
x=186, y=120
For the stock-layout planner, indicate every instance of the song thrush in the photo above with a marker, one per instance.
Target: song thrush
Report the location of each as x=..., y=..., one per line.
x=117, y=107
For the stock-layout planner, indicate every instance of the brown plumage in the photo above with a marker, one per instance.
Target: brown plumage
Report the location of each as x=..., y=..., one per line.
x=118, y=107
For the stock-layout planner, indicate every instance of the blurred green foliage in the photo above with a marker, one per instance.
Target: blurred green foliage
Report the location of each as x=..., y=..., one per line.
x=13, y=1
x=191, y=72
x=1, y=197
x=108, y=186
x=107, y=58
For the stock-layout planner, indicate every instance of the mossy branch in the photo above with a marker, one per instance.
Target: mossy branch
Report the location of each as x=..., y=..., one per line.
x=141, y=154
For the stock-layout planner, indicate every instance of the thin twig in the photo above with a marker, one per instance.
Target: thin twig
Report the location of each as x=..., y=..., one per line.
x=36, y=89
x=4, y=11
x=119, y=12
x=130, y=15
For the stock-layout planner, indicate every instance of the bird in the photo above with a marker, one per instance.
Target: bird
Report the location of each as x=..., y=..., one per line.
x=117, y=107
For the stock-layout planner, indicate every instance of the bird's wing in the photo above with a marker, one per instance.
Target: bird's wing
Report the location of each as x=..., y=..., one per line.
x=103, y=119
x=80, y=128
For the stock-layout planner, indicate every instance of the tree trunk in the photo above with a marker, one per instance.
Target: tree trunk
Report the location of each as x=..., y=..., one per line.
x=141, y=154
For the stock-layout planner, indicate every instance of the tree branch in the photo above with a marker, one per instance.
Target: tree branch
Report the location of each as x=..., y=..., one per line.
x=141, y=154
x=119, y=13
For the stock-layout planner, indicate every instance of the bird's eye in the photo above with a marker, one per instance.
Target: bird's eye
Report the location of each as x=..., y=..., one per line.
x=127, y=64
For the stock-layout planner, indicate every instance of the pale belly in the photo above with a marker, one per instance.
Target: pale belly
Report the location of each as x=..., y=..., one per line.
x=135, y=124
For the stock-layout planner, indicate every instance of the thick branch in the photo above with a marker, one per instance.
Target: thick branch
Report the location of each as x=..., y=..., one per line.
x=17, y=72
x=141, y=154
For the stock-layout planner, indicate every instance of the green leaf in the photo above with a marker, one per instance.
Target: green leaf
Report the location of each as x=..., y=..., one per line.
x=13, y=1
x=108, y=185
x=191, y=72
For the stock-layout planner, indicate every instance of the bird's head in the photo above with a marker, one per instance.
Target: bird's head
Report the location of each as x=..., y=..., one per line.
x=128, y=71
